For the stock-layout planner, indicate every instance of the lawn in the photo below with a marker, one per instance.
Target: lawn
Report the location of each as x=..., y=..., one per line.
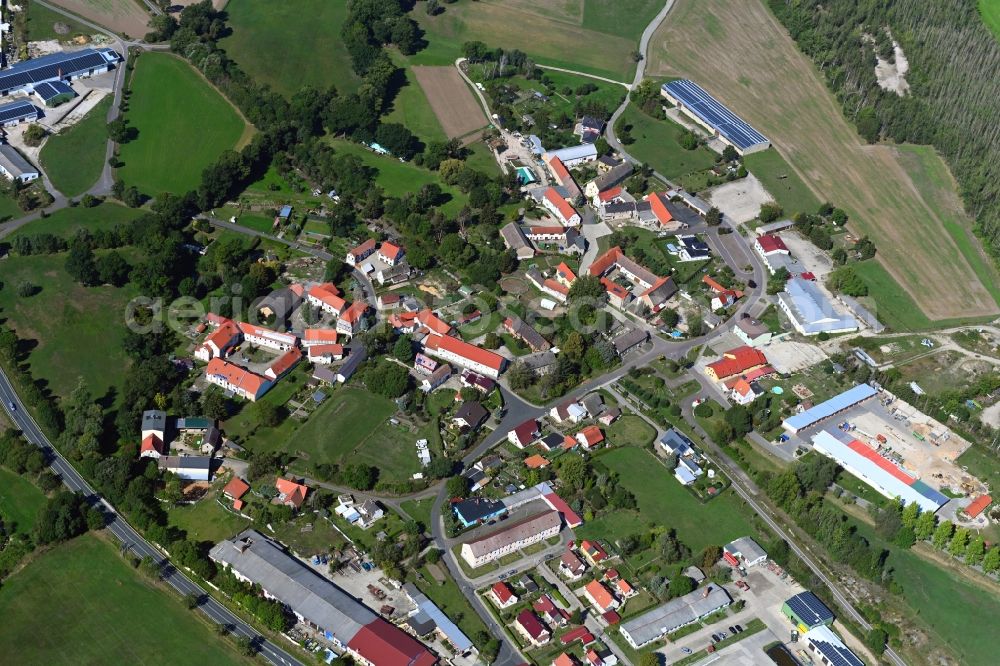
x=782, y=182
x=452, y=602
x=40, y=22
x=664, y=502
x=291, y=45
x=66, y=221
x=419, y=510
x=176, y=140
x=656, y=143
x=98, y=610
x=983, y=464
x=78, y=330
x=411, y=108
x=20, y=502
x=630, y=430
x=205, y=520
x=8, y=208
x=990, y=10
x=74, y=158
x=399, y=178
x=757, y=70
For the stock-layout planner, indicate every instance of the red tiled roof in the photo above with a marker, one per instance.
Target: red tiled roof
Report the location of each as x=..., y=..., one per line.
x=530, y=623
x=324, y=335
x=545, y=231
x=355, y=312
x=564, y=660
x=581, y=634
x=757, y=373
x=235, y=375
x=658, y=204
x=329, y=294
x=604, y=262
x=594, y=550
x=502, y=592
x=536, y=461
x=614, y=288
x=285, y=362
x=623, y=587
x=569, y=442
x=526, y=431
x=152, y=443
x=364, y=249
x=383, y=644
x=236, y=488
x=609, y=194
x=592, y=435
x=390, y=250
x=226, y=331
x=555, y=286
x=565, y=272
x=738, y=360
x=742, y=387
x=565, y=210
x=544, y=604
x=978, y=506
x=325, y=350
x=715, y=286
x=611, y=617
x=293, y=492
x=465, y=350
x=559, y=170
x=434, y=323
x=771, y=243
x=600, y=594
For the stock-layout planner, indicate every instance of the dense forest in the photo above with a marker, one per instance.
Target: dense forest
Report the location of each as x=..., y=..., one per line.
x=954, y=98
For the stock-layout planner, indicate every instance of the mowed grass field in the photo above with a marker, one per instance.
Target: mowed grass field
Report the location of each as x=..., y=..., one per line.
x=81, y=603
x=288, y=45
x=184, y=125
x=990, y=11
x=20, y=502
x=74, y=158
x=657, y=144
x=664, y=502
x=562, y=33
x=757, y=71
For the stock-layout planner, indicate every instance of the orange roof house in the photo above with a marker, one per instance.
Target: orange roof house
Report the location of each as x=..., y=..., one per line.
x=593, y=551
x=235, y=490
x=561, y=206
x=590, y=436
x=599, y=596
x=152, y=447
x=434, y=324
x=232, y=377
x=327, y=297
x=319, y=336
x=465, y=355
x=565, y=274
x=658, y=204
x=390, y=253
x=536, y=461
x=735, y=362
x=283, y=364
x=290, y=493
x=978, y=506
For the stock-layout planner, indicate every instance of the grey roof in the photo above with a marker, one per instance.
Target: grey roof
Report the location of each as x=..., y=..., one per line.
x=294, y=584
x=55, y=66
x=14, y=163
x=629, y=339
x=593, y=403
x=185, y=462
x=477, y=508
x=472, y=413
x=862, y=313
x=609, y=160
x=437, y=616
x=675, y=613
x=828, y=408
x=354, y=360
x=812, y=310
x=18, y=110
x=746, y=548
x=613, y=177
x=531, y=337
x=540, y=360
x=710, y=111
x=324, y=374
x=513, y=237
x=154, y=419
x=583, y=151
x=212, y=436
x=281, y=301
x=676, y=442
x=616, y=208
x=694, y=573
x=752, y=327
x=513, y=533
x=51, y=89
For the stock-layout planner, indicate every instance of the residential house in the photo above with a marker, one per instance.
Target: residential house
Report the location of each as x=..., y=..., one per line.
x=358, y=254
x=476, y=510
x=514, y=239
x=599, y=596
x=325, y=354
x=593, y=552
x=568, y=410
x=593, y=403
x=571, y=566
x=369, y=512
x=676, y=443
x=751, y=331
x=743, y=392
x=660, y=207
x=588, y=129
x=609, y=416
x=565, y=659
x=618, y=296
x=524, y=434
x=434, y=324
x=465, y=355
x=560, y=208
x=606, y=163
x=551, y=442
x=265, y=337
x=190, y=468
x=687, y=471
x=590, y=437
x=540, y=234
x=691, y=248
x=154, y=428
x=319, y=336
x=629, y=340
x=735, y=362
x=235, y=490
x=547, y=609
x=555, y=289
x=518, y=328
x=723, y=297
x=470, y=318
x=390, y=253
x=608, y=180
x=520, y=534
x=396, y=274
x=769, y=245
x=231, y=377
x=283, y=364
x=656, y=289
x=151, y=447
x=353, y=319
x=327, y=298
x=470, y=415
x=388, y=301
x=281, y=303
x=225, y=336
x=534, y=631
x=290, y=493
x=502, y=595
x=436, y=378
x=562, y=176
x=536, y=461
x=477, y=381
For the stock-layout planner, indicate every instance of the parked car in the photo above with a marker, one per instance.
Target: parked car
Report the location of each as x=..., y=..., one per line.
x=732, y=630
x=739, y=629
x=686, y=650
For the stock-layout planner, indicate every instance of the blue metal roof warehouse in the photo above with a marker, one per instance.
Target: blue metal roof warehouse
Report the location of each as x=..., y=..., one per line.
x=15, y=112
x=824, y=410
x=55, y=67
x=693, y=100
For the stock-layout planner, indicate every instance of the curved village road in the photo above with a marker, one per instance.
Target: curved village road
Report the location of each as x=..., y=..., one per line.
x=131, y=539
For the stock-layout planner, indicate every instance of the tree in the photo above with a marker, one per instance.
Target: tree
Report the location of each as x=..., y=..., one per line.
x=689, y=140
x=62, y=518
x=739, y=418
x=572, y=471
x=191, y=600
x=388, y=379
x=588, y=287
x=359, y=476
x=910, y=514
x=846, y=280
x=975, y=552
x=924, y=527
x=776, y=282
x=118, y=130
x=769, y=212
x=403, y=349
x=457, y=486
x=213, y=404
x=729, y=154
x=991, y=561
x=713, y=217
x=113, y=269
x=26, y=289
x=959, y=542
x=669, y=317
x=267, y=414
x=34, y=135
x=839, y=217
x=681, y=585
x=710, y=555
x=81, y=265
x=520, y=376
x=942, y=534
x=876, y=639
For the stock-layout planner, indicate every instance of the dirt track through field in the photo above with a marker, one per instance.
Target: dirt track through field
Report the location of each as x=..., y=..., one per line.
x=453, y=103
x=739, y=52
x=124, y=17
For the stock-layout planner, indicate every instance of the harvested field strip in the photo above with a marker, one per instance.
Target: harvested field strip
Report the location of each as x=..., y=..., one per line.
x=125, y=17
x=453, y=103
x=758, y=72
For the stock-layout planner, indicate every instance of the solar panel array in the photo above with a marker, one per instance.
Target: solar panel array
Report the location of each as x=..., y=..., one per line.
x=50, y=89
x=51, y=67
x=715, y=114
x=16, y=110
x=808, y=608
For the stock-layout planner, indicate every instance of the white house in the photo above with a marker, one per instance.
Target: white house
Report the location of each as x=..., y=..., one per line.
x=265, y=337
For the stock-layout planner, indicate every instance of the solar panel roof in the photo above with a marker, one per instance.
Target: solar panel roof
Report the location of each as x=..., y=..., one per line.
x=831, y=647
x=50, y=89
x=51, y=67
x=808, y=608
x=715, y=114
x=17, y=110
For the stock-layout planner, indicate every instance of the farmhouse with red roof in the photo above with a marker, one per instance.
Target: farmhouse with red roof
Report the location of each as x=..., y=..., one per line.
x=736, y=362
x=560, y=208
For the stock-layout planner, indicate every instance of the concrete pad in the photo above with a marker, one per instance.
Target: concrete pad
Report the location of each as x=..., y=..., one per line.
x=788, y=356
x=739, y=200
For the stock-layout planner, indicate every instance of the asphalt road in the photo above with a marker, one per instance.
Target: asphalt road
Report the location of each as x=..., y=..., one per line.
x=128, y=536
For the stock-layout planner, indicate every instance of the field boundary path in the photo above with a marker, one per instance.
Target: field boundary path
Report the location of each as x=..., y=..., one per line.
x=589, y=76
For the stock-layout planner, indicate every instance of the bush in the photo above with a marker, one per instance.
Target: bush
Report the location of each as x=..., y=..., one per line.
x=704, y=410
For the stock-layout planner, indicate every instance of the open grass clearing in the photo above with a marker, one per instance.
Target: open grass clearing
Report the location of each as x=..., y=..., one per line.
x=176, y=140
x=630, y=430
x=449, y=598
x=67, y=221
x=104, y=612
x=759, y=73
x=288, y=45
x=782, y=182
x=419, y=510
x=457, y=110
x=206, y=520
x=125, y=17
x=9, y=208
x=20, y=502
x=41, y=22
x=990, y=11
x=74, y=158
x=657, y=144
x=411, y=107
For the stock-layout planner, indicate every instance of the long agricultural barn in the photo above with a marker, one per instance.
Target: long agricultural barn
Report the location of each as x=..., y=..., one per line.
x=65, y=66
x=825, y=410
x=707, y=111
x=17, y=112
x=865, y=463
